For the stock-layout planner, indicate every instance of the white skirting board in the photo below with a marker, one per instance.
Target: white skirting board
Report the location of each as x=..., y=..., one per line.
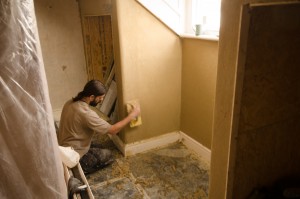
x=145, y=145
x=195, y=146
x=161, y=141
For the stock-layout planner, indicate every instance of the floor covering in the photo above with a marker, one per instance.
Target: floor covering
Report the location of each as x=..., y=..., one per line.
x=173, y=172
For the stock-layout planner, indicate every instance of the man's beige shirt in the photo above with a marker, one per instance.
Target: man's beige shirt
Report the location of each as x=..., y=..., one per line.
x=78, y=123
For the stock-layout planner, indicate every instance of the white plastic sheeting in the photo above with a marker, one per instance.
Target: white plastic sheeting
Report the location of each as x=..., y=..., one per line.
x=30, y=165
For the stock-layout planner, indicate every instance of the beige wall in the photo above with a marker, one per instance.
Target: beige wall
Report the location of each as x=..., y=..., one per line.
x=199, y=68
x=226, y=70
x=150, y=65
x=252, y=150
x=62, y=48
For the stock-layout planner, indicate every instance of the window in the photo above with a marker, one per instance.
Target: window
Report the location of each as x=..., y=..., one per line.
x=183, y=15
x=206, y=13
x=168, y=11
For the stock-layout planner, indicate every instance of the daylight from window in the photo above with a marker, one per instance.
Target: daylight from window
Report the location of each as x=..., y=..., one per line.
x=207, y=14
x=183, y=15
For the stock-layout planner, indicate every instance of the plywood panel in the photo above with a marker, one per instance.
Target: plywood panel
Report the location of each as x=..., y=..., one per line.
x=98, y=45
x=95, y=7
x=268, y=132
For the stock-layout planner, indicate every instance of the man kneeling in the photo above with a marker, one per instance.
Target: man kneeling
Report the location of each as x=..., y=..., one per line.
x=78, y=124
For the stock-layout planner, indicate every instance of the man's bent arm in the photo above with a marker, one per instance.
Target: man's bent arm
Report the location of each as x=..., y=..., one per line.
x=114, y=129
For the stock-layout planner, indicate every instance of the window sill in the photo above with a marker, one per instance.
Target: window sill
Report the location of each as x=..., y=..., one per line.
x=202, y=37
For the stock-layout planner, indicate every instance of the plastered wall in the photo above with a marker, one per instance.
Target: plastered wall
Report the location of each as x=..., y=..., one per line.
x=199, y=69
x=150, y=68
x=150, y=65
x=61, y=40
x=257, y=98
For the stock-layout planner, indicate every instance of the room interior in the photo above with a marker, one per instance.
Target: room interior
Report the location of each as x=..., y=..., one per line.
x=218, y=96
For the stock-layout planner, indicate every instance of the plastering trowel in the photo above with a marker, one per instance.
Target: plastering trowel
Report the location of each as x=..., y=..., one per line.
x=130, y=105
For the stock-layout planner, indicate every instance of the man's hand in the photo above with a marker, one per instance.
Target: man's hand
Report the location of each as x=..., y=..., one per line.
x=121, y=124
x=135, y=112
